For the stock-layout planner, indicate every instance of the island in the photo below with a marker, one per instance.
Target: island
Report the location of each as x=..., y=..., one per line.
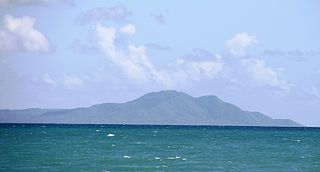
x=167, y=107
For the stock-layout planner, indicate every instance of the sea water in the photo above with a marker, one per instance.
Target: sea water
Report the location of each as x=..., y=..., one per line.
x=50, y=147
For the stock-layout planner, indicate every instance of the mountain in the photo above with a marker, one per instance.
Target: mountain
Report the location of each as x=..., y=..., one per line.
x=158, y=108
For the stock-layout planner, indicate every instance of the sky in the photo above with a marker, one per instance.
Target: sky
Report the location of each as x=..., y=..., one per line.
x=259, y=55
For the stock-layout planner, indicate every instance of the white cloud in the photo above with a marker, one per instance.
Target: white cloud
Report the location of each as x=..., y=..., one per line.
x=254, y=68
x=198, y=64
x=194, y=70
x=7, y=41
x=128, y=29
x=20, y=34
x=136, y=65
x=209, y=68
x=134, y=62
x=265, y=75
x=49, y=80
x=106, y=37
x=72, y=81
x=239, y=42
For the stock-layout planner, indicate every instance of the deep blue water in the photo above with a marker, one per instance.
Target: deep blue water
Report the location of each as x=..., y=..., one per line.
x=54, y=147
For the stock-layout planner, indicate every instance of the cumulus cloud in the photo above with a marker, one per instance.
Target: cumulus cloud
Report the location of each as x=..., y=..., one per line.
x=265, y=75
x=254, y=69
x=49, y=80
x=115, y=13
x=194, y=70
x=107, y=36
x=19, y=33
x=7, y=41
x=240, y=42
x=128, y=29
x=198, y=64
x=134, y=62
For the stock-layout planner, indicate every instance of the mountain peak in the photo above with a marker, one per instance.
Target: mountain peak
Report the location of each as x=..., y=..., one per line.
x=166, y=94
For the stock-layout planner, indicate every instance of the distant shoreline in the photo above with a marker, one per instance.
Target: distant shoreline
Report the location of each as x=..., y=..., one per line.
x=166, y=107
x=151, y=125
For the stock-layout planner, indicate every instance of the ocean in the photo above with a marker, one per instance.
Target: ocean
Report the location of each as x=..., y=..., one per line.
x=55, y=147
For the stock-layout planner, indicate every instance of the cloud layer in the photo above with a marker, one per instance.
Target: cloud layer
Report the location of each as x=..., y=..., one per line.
x=240, y=42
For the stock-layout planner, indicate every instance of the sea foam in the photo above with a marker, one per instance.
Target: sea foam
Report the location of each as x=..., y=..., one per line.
x=110, y=135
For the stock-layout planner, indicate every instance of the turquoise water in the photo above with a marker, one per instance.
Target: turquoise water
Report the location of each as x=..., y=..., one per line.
x=157, y=148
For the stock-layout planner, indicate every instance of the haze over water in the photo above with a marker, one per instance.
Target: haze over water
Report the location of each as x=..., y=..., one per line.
x=51, y=147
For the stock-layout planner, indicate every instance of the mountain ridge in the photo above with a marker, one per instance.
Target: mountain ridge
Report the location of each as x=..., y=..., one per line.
x=168, y=107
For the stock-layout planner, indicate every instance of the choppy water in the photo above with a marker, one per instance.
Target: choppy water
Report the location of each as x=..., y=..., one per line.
x=46, y=147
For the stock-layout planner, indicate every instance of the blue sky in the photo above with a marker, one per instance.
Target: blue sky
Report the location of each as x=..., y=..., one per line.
x=261, y=56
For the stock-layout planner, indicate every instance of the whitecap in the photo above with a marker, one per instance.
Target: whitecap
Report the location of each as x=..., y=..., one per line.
x=184, y=159
x=156, y=158
x=97, y=130
x=126, y=156
x=110, y=135
x=178, y=157
x=171, y=157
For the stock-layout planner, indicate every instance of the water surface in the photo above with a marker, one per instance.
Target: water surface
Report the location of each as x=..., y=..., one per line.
x=49, y=147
